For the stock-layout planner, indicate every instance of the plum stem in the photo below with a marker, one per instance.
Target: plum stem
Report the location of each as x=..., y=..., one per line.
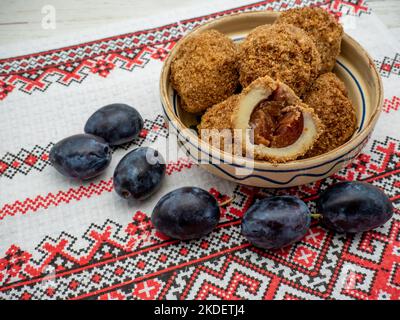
x=316, y=215
x=226, y=202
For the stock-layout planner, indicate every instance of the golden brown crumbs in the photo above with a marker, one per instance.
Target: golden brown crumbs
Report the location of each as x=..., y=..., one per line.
x=281, y=51
x=218, y=118
x=204, y=70
x=322, y=27
x=328, y=97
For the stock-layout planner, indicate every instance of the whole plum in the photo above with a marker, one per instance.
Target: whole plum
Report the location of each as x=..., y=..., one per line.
x=186, y=213
x=353, y=206
x=139, y=173
x=82, y=156
x=116, y=123
x=276, y=222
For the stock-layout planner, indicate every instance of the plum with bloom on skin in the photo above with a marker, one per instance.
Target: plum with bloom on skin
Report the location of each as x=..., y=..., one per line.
x=353, y=206
x=139, y=173
x=276, y=222
x=82, y=156
x=116, y=123
x=186, y=213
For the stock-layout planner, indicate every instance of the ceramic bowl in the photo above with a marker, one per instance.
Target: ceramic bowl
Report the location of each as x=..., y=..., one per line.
x=354, y=67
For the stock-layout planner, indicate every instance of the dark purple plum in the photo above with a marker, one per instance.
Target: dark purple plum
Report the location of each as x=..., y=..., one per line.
x=276, y=222
x=139, y=173
x=82, y=156
x=186, y=213
x=353, y=206
x=116, y=123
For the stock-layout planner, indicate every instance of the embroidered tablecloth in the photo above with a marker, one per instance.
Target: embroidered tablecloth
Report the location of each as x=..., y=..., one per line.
x=63, y=239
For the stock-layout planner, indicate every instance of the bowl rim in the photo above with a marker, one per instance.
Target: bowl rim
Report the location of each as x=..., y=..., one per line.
x=240, y=161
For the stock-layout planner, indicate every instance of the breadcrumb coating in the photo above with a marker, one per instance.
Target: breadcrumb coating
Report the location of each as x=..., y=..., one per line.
x=219, y=115
x=204, y=70
x=322, y=27
x=281, y=51
x=218, y=118
x=328, y=97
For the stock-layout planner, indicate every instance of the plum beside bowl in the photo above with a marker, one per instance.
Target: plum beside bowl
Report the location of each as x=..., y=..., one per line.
x=354, y=67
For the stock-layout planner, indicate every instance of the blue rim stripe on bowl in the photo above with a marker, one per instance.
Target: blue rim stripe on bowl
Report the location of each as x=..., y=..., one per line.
x=283, y=182
x=361, y=93
x=254, y=169
x=318, y=175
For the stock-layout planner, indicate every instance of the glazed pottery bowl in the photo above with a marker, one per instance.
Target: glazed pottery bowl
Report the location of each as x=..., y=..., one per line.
x=354, y=67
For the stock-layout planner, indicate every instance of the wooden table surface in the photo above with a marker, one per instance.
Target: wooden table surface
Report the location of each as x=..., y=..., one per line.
x=21, y=20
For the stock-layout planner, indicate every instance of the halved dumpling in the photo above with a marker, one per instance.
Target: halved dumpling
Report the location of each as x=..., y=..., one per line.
x=275, y=125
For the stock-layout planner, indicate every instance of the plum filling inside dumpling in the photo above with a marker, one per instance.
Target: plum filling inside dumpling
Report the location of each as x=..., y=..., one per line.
x=276, y=125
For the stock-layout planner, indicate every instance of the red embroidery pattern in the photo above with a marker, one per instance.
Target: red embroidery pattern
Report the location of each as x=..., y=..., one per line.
x=102, y=68
x=37, y=158
x=389, y=66
x=393, y=104
x=133, y=261
x=322, y=266
x=5, y=89
x=36, y=72
x=76, y=194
